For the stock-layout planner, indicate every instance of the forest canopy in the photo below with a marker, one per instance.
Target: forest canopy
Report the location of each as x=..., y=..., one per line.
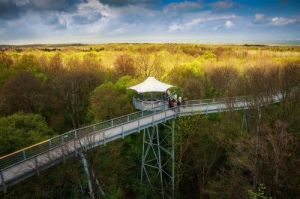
x=47, y=90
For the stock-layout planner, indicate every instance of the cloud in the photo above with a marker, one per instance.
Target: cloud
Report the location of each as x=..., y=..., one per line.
x=91, y=21
x=281, y=21
x=9, y=10
x=89, y=18
x=12, y=9
x=222, y=4
x=204, y=19
x=208, y=17
x=88, y=21
x=275, y=21
x=229, y=24
x=121, y=3
x=185, y=5
x=175, y=27
x=258, y=17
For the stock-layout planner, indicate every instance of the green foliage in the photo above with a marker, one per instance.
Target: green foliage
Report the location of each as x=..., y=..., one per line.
x=5, y=74
x=20, y=130
x=21, y=92
x=260, y=194
x=124, y=65
x=110, y=100
x=5, y=61
x=30, y=63
x=214, y=157
x=207, y=55
x=200, y=153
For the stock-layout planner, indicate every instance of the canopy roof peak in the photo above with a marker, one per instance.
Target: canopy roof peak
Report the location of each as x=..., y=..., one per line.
x=151, y=84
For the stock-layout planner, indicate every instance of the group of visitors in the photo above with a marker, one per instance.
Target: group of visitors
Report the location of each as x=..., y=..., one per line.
x=174, y=100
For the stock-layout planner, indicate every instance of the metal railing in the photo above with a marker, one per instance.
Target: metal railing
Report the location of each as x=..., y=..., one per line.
x=58, y=141
x=149, y=105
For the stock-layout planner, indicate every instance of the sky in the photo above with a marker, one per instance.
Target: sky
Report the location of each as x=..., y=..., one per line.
x=137, y=21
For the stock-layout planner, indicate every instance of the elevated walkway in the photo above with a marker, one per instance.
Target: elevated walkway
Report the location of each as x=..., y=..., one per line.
x=29, y=161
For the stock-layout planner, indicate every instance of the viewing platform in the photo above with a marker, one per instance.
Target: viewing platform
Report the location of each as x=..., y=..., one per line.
x=152, y=94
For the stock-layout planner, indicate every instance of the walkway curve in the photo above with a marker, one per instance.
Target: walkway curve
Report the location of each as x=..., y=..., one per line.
x=29, y=161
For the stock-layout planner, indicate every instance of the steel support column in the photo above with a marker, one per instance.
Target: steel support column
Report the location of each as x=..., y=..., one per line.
x=87, y=173
x=158, y=158
x=245, y=120
x=94, y=188
x=257, y=147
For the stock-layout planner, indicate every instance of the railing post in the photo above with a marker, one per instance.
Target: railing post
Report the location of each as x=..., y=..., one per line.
x=152, y=118
x=24, y=154
x=127, y=118
x=36, y=166
x=104, y=141
x=139, y=126
x=193, y=108
x=123, y=131
x=3, y=182
x=75, y=148
x=62, y=148
x=50, y=145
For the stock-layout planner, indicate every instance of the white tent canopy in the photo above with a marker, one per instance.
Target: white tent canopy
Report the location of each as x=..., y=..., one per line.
x=151, y=85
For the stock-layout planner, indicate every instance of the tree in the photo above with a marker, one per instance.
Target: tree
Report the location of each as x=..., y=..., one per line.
x=71, y=87
x=111, y=100
x=224, y=80
x=5, y=61
x=124, y=65
x=143, y=65
x=6, y=69
x=272, y=159
x=157, y=68
x=92, y=62
x=149, y=66
x=56, y=63
x=21, y=92
x=261, y=80
x=188, y=79
x=199, y=155
x=27, y=62
x=20, y=130
x=290, y=77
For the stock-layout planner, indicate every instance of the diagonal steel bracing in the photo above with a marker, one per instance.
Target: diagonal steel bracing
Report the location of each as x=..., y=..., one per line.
x=158, y=158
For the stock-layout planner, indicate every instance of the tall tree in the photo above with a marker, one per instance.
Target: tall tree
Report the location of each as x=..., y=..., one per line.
x=21, y=92
x=5, y=61
x=124, y=65
x=20, y=130
x=110, y=100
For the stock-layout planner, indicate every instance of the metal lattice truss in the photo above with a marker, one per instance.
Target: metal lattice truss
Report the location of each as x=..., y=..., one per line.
x=158, y=158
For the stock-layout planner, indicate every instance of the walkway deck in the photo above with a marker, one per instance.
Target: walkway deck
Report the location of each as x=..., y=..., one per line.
x=32, y=160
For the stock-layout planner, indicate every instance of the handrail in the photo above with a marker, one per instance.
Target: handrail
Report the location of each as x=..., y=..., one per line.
x=21, y=154
x=2, y=157
x=59, y=140
x=78, y=129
